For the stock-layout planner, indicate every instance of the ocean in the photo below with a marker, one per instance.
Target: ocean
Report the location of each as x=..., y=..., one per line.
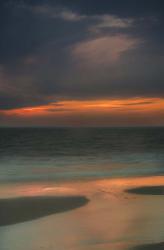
x=81, y=188
x=57, y=154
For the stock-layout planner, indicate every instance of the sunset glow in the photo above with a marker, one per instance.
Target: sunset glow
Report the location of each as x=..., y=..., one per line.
x=80, y=67
x=79, y=113
x=81, y=125
x=114, y=106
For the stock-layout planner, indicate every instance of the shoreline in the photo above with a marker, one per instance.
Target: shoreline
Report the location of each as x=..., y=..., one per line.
x=75, y=187
x=111, y=214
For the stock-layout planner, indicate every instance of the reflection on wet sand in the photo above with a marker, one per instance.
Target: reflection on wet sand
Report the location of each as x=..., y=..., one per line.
x=113, y=219
x=16, y=210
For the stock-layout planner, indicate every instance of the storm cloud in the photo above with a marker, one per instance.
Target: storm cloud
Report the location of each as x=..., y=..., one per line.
x=55, y=50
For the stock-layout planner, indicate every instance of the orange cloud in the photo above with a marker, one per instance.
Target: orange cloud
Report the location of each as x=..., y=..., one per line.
x=135, y=111
x=105, y=106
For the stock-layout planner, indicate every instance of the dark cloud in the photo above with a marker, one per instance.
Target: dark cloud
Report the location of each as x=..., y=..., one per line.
x=138, y=103
x=11, y=101
x=122, y=8
x=80, y=49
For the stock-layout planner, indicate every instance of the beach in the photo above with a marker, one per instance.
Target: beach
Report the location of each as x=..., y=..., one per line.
x=81, y=125
x=98, y=214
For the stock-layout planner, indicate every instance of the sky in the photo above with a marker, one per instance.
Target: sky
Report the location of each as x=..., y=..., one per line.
x=81, y=63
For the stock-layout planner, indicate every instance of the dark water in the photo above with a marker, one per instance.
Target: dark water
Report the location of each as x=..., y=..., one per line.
x=41, y=154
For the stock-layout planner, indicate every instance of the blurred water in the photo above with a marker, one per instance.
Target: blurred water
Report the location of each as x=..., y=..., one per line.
x=41, y=154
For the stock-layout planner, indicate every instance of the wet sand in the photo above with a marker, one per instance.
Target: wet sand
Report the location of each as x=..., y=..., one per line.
x=158, y=246
x=16, y=210
x=151, y=190
x=120, y=215
x=148, y=190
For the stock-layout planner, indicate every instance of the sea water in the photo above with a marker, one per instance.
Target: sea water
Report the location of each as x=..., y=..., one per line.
x=52, y=154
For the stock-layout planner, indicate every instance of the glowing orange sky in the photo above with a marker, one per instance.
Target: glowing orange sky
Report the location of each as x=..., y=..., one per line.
x=73, y=106
x=97, y=112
